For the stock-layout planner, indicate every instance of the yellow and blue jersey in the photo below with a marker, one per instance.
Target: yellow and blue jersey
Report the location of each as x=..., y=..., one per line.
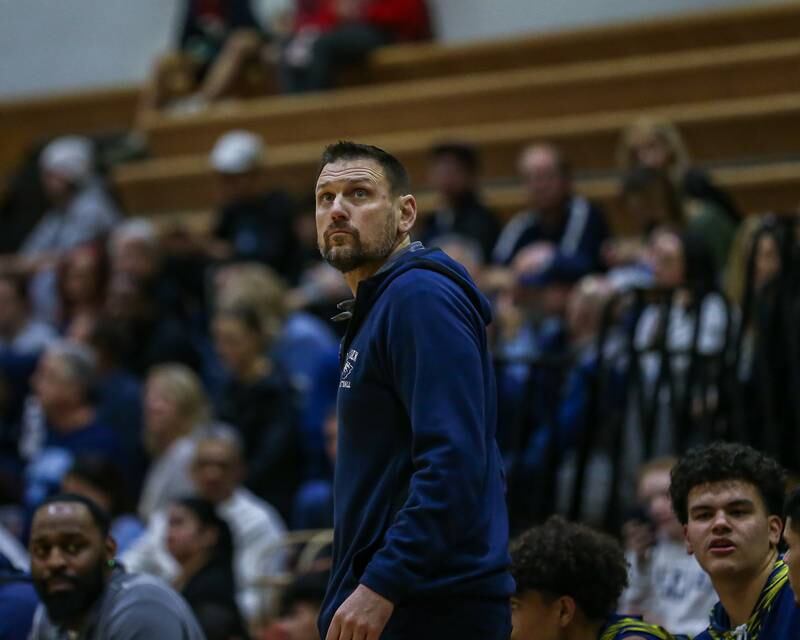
x=775, y=616
x=621, y=627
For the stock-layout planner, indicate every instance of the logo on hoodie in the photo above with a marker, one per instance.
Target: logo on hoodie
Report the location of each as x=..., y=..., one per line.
x=347, y=369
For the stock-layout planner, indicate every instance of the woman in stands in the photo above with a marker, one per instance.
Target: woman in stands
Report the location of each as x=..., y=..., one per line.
x=710, y=211
x=82, y=281
x=680, y=336
x=257, y=399
x=174, y=406
x=202, y=545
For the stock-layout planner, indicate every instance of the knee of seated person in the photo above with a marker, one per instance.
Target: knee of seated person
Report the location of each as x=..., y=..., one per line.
x=243, y=42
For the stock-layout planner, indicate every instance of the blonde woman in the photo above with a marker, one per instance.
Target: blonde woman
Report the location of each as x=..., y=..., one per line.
x=175, y=404
x=656, y=144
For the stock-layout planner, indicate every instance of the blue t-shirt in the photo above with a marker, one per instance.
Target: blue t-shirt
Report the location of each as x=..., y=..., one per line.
x=18, y=602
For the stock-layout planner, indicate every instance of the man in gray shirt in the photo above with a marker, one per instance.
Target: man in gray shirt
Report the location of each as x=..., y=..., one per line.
x=85, y=593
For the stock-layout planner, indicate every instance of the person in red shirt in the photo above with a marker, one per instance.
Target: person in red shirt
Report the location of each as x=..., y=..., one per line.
x=330, y=34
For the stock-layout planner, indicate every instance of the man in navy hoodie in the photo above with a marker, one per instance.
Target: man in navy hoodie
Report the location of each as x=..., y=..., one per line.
x=420, y=549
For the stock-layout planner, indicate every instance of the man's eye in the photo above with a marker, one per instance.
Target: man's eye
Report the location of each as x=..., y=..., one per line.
x=326, y=197
x=360, y=193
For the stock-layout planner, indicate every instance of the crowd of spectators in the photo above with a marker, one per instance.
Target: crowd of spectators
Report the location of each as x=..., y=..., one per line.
x=186, y=382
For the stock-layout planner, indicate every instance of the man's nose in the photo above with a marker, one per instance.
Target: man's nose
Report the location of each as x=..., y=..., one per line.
x=55, y=560
x=338, y=210
x=720, y=522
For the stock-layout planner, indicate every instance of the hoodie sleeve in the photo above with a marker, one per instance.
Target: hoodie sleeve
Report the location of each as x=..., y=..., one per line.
x=435, y=355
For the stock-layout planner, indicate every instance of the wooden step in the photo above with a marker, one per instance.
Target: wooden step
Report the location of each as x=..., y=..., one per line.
x=740, y=25
x=26, y=122
x=764, y=127
x=635, y=83
x=757, y=189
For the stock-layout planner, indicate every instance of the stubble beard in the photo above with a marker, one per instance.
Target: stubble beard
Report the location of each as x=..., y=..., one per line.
x=355, y=254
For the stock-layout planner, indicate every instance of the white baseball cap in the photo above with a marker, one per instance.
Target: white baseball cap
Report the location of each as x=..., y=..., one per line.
x=69, y=156
x=237, y=152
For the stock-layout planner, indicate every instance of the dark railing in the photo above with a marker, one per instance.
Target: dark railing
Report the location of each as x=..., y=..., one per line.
x=746, y=388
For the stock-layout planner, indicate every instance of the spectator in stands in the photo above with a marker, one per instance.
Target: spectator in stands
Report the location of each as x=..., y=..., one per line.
x=331, y=34
x=256, y=398
x=202, y=545
x=650, y=202
x=313, y=504
x=257, y=528
x=464, y=250
x=690, y=323
x=20, y=333
x=82, y=280
x=218, y=52
x=253, y=223
x=729, y=499
x=759, y=282
x=299, y=609
x=454, y=174
x=667, y=586
x=175, y=407
x=61, y=420
x=12, y=551
x=657, y=144
x=300, y=344
x=81, y=211
x=569, y=578
x=18, y=602
x=118, y=392
x=103, y=482
x=570, y=225
x=135, y=251
x=84, y=592
x=791, y=536
x=564, y=401
x=155, y=335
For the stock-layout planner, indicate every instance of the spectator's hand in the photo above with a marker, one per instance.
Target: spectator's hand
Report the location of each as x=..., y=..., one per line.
x=533, y=259
x=362, y=616
x=639, y=539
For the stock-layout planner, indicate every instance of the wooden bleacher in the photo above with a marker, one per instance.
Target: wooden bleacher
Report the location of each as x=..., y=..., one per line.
x=641, y=82
x=742, y=25
x=728, y=79
x=763, y=188
x=29, y=121
x=764, y=127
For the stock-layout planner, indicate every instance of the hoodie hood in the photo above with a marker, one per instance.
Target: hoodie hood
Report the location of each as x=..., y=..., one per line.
x=415, y=256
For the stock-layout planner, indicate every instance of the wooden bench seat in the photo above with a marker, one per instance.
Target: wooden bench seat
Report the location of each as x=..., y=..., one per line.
x=635, y=83
x=740, y=25
x=747, y=128
x=25, y=122
x=771, y=187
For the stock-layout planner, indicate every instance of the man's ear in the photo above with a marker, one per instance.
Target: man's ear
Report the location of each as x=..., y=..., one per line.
x=775, y=524
x=688, y=544
x=566, y=611
x=408, y=214
x=110, y=546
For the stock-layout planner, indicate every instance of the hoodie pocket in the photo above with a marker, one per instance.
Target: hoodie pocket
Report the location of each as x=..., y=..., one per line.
x=389, y=508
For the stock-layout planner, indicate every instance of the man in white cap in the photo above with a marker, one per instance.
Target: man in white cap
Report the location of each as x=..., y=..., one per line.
x=81, y=210
x=252, y=223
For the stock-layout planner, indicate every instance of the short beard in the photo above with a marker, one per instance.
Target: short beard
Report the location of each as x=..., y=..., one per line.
x=70, y=605
x=346, y=258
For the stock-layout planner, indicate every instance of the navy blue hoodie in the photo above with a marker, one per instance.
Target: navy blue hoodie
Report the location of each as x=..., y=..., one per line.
x=419, y=493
